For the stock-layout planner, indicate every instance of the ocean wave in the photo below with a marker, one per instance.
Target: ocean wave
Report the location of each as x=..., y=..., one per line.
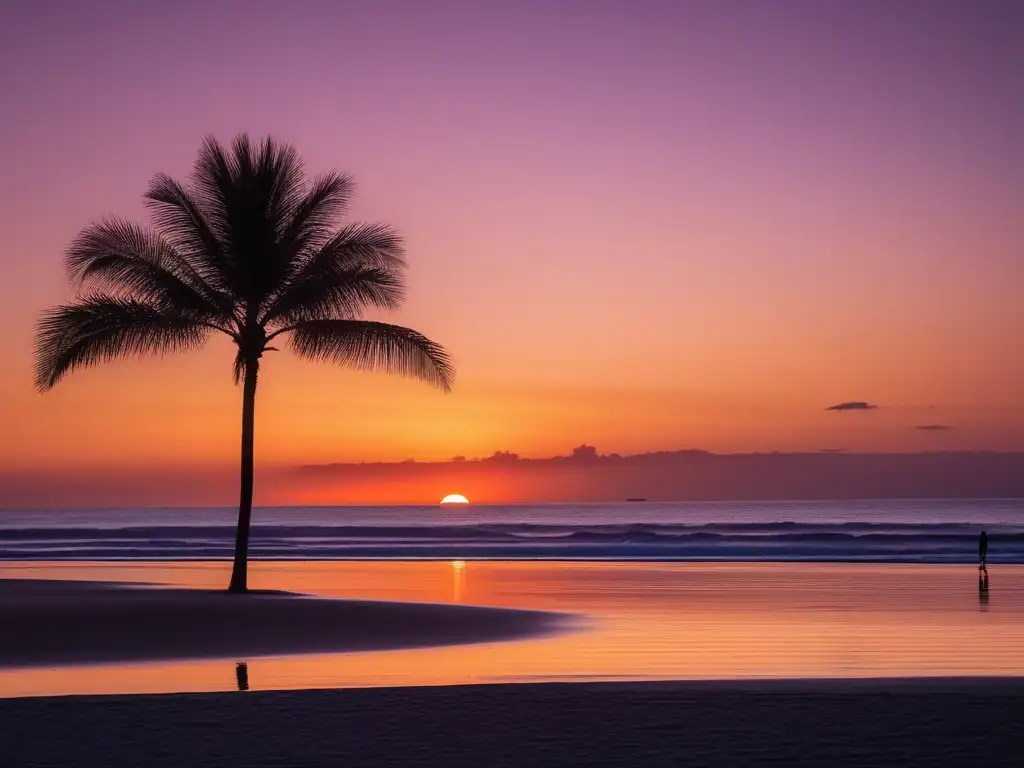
x=785, y=540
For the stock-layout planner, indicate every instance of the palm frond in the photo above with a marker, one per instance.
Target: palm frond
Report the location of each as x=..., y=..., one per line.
x=211, y=190
x=213, y=178
x=193, y=232
x=316, y=212
x=368, y=245
x=99, y=328
x=238, y=369
x=127, y=261
x=274, y=190
x=361, y=266
x=250, y=194
x=279, y=179
x=250, y=224
x=372, y=346
x=339, y=295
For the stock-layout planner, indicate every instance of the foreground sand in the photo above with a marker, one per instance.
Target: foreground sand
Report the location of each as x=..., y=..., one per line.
x=823, y=723
x=65, y=622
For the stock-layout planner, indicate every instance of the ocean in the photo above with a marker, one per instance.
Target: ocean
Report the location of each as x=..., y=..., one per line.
x=922, y=531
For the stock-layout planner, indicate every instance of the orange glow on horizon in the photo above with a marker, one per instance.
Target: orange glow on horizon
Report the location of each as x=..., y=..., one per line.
x=703, y=286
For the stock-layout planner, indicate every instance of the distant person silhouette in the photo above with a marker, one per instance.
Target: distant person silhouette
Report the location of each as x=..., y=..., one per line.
x=983, y=549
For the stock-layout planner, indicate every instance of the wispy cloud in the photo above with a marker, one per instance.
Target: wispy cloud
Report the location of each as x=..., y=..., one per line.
x=933, y=427
x=852, y=405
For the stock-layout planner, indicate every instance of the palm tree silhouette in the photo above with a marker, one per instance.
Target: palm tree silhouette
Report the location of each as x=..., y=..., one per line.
x=249, y=249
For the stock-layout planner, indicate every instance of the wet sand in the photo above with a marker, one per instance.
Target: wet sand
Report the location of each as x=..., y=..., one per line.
x=812, y=723
x=637, y=622
x=58, y=623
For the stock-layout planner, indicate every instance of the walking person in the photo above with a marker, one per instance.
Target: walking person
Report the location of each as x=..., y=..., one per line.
x=983, y=550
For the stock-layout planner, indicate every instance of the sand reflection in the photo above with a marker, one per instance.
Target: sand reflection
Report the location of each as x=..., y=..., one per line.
x=647, y=621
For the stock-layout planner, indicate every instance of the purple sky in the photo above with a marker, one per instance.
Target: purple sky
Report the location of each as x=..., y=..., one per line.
x=641, y=224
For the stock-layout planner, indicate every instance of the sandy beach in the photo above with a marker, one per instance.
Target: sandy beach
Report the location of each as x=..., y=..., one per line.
x=71, y=622
x=813, y=664
x=429, y=624
x=828, y=723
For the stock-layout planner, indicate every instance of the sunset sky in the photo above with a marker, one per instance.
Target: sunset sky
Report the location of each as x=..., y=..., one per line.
x=644, y=225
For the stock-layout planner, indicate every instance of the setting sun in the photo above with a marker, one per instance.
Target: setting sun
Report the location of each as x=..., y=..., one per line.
x=455, y=498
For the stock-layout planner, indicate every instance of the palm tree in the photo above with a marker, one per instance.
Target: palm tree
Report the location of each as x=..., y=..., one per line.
x=249, y=249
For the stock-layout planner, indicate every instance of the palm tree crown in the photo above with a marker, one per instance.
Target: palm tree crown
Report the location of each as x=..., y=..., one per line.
x=251, y=249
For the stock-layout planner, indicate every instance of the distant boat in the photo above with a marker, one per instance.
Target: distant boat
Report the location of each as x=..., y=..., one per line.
x=638, y=499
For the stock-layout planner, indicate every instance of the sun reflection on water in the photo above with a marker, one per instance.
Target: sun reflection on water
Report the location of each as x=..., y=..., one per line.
x=458, y=580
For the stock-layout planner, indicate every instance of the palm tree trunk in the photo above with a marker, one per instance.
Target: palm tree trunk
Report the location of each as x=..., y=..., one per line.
x=239, y=571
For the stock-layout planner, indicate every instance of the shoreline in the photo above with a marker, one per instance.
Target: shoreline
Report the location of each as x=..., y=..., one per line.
x=753, y=560
x=989, y=685
x=71, y=623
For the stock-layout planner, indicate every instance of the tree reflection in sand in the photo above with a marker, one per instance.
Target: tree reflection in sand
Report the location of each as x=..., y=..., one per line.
x=242, y=676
